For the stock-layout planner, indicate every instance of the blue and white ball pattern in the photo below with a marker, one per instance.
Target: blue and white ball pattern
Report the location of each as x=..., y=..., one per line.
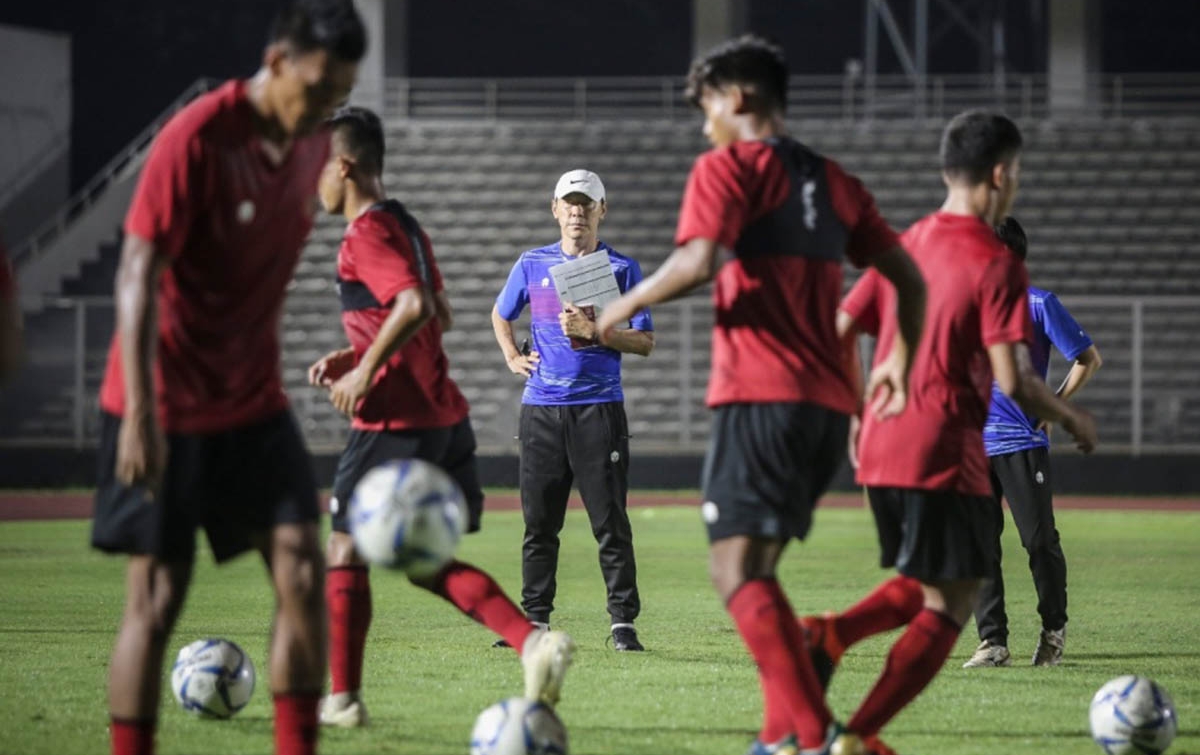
x=1131, y=715
x=517, y=726
x=213, y=678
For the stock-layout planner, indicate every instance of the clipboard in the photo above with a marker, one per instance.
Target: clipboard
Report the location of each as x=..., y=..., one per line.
x=589, y=283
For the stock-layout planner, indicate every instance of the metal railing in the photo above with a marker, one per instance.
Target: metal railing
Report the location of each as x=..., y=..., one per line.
x=1145, y=397
x=847, y=98
x=84, y=197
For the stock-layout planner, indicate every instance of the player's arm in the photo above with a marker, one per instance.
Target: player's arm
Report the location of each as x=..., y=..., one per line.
x=411, y=310
x=518, y=362
x=11, y=340
x=689, y=266
x=576, y=324
x=888, y=383
x=444, y=312
x=141, y=447
x=848, y=332
x=1013, y=370
x=1086, y=365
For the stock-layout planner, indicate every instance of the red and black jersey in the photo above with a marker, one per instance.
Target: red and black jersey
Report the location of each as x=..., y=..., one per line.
x=790, y=217
x=383, y=253
x=975, y=298
x=233, y=223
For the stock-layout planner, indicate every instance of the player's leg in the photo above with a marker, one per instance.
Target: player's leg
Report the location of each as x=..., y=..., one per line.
x=348, y=580
x=159, y=536
x=545, y=479
x=1028, y=476
x=154, y=594
x=758, y=495
x=598, y=452
x=944, y=540
x=468, y=588
x=991, y=619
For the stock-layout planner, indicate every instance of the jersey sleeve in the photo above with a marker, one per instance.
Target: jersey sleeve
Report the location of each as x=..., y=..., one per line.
x=863, y=302
x=169, y=193
x=385, y=262
x=870, y=235
x=8, y=286
x=435, y=273
x=1004, y=302
x=715, y=204
x=1062, y=329
x=631, y=276
x=515, y=294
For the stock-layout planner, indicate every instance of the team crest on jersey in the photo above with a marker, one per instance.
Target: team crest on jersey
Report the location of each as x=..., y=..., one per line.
x=245, y=211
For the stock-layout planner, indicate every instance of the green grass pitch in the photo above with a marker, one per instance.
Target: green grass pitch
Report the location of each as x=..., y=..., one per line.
x=1135, y=608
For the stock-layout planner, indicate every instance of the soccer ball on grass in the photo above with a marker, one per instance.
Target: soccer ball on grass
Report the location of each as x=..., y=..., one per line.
x=517, y=726
x=213, y=678
x=1132, y=715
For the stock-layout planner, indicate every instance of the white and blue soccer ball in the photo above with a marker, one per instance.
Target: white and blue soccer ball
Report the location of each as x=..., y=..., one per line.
x=213, y=678
x=517, y=726
x=1132, y=715
x=407, y=514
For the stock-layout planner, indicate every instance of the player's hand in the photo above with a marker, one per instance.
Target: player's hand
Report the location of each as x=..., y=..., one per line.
x=349, y=389
x=141, y=450
x=1044, y=427
x=331, y=367
x=887, y=387
x=614, y=314
x=1081, y=425
x=575, y=324
x=524, y=364
x=852, y=439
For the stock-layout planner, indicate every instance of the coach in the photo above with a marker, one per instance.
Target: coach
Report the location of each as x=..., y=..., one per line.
x=572, y=425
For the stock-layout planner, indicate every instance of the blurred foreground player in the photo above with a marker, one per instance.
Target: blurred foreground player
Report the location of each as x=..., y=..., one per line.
x=394, y=382
x=925, y=470
x=10, y=320
x=196, y=430
x=1018, y=449
x=770, y=222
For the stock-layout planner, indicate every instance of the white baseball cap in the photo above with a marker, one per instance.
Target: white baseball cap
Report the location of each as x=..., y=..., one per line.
x=582, y=182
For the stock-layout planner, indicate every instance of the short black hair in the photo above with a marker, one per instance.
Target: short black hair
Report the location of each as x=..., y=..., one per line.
x=359, y=132
x=975, y=141
x=330, y=25
x=749, y=60
x=1013, y=235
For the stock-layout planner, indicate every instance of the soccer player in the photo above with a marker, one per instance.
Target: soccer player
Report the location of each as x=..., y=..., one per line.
x=770, y=222
x=1018, y=448
x=10, y=320
x=573, y=426
x=394, y=382
x=195, y=426
x=925, y=470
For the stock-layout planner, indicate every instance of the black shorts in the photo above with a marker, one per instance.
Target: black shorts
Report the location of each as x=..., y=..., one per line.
x=934, y=536
x=451, y=448
x=236, y=484
x=766, y=466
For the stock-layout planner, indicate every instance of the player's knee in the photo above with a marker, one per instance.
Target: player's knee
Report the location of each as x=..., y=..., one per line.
x=340, y=551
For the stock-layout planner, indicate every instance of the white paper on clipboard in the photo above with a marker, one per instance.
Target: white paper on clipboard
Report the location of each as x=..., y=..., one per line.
x=587, y=279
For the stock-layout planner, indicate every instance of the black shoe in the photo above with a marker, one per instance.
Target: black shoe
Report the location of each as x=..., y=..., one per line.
x=625, y=638
x=501, y=643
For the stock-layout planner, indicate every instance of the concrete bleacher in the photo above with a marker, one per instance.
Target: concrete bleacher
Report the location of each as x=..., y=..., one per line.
x=1112, y=209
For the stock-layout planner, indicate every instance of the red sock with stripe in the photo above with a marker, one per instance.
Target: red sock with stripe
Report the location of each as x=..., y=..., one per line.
x=767, y=624
x=132, y=737
x=348, y=594
x=296, y=723
x=912, y=663
x=477, y=595
x=890, y=605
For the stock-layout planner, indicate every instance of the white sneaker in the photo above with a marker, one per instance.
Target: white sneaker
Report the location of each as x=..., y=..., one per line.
x=343, y=709
x=546, y=656
x=1050, y=647
x=989, y=655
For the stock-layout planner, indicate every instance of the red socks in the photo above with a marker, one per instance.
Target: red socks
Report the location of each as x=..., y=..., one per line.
x=890, y=605
x=477, y=595
x=912, y=663
x=792, y=697
x=296, y=723
x=348, y=594
x=130, y=737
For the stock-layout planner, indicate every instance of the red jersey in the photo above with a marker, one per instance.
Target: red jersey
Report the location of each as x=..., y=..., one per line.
x=8, y=286
x=233, y=224
x=790, y=217
x=383, y=253
x=976, y=298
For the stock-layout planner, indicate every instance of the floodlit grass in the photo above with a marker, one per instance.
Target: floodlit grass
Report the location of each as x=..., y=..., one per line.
x=1135, y=608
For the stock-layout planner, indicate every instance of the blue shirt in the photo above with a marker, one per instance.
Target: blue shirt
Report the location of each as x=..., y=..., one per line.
x=1008, y=428
x=564, y=375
